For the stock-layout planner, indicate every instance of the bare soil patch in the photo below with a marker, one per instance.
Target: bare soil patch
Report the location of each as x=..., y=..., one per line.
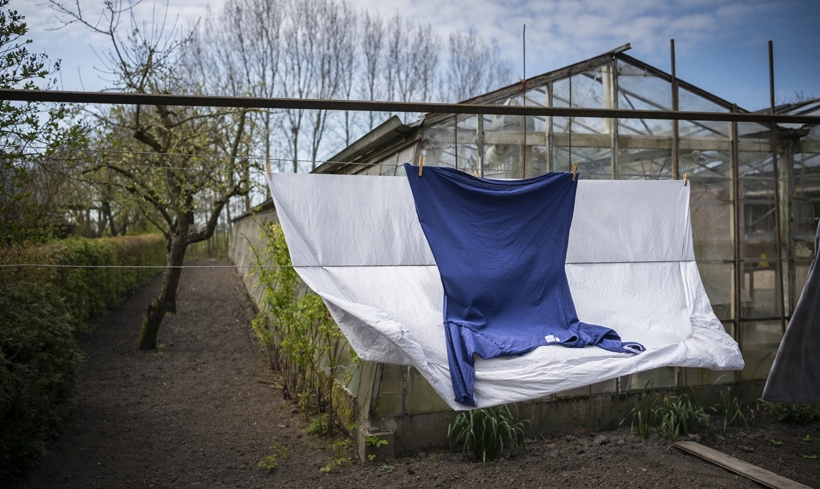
x=204, y=411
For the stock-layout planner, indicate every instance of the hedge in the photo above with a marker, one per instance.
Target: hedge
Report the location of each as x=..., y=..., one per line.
x=42, y=312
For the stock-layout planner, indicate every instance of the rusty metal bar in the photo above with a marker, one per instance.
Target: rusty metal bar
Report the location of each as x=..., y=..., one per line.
x=111, y=98
x=776, y=172
x=675, y=107
x=455, y=138
x=738, y=294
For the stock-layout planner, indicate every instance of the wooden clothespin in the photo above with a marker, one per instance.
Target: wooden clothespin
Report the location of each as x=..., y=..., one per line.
x=475, y=172
x=685, y=177
x=421, y=164
x=574, y=171
x=268, y=164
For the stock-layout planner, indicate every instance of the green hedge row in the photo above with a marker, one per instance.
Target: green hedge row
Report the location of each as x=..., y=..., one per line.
x=42, y=311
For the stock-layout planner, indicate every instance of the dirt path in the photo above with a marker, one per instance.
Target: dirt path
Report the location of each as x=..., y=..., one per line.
x=193, y=416
x=201, y=414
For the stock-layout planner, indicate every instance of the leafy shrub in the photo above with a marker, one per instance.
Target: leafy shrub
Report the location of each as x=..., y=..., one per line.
x=792, y=413
x=487, y=432
x=302, y=340
x=38, y=368
x=42, y=309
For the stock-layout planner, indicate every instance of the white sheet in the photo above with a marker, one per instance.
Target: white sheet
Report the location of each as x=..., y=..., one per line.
x=356, y=241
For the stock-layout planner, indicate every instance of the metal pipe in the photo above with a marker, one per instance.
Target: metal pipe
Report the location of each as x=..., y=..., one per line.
x=110, y=98
x=778, y=244
x=737, y=295
x=675, y=107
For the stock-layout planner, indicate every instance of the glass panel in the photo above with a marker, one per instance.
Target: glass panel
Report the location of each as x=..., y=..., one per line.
x=438, y=145
x=704, y=376
x=718, y=280
x=606, y=387
x=577, y=392
x=641, y=90
x=658, y=378
x=391, y=391
x=801, y=272
x=690, y=102
x=761, y=340
x=467, y=143
x=644, y=164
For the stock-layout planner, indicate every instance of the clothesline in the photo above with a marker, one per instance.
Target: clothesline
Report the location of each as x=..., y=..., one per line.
x=54, y=265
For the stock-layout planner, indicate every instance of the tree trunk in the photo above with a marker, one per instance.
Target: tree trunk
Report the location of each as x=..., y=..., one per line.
x=167, y=295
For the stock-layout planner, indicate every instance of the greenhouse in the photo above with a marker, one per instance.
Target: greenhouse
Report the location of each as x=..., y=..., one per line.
x=744, y=199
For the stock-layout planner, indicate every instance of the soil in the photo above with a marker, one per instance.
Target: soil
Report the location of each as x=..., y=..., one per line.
x=204, y=410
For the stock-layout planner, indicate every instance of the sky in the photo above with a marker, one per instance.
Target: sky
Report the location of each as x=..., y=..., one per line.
x=721, y=45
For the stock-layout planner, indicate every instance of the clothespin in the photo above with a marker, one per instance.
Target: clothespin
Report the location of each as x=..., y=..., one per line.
x=421, y=164
x=269, y=169
x=574, y=171
x=476, y=173
x=685, y=177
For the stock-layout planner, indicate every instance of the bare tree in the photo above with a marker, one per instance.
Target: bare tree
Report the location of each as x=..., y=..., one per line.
x=169, y=157
x=372, y=59
x=348, y=63
x=474, y=67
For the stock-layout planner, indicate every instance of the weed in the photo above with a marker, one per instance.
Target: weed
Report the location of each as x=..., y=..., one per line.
x=340, y=451
x=733, y=410
x=747, y=449
x=391, y=468
x=810, y=457
x=679, y=415
x=270, y=462
x=642, y=415
x=371, y=457
x=807, y=439
x=792, y=413
x=161, y=349
x=487, y=432
x=318, y=425
x=776, y=443
x=374, y=441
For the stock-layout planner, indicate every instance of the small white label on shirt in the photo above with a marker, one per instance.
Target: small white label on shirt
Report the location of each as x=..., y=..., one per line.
x=552, y=339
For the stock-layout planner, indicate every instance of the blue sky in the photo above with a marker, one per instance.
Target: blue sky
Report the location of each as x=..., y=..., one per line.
x=721, y=45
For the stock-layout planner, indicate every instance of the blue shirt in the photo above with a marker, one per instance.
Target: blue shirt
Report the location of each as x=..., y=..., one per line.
x=500, y=247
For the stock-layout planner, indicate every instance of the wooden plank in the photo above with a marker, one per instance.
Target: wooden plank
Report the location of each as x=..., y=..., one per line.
x=753, y=472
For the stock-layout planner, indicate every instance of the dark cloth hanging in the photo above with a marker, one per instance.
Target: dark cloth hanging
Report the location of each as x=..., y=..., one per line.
x=500, y=247
x=795, y=373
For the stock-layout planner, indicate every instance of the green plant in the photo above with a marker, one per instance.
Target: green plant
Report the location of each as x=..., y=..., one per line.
x=374, y=441
x=792, y=413
x=776, y=443
x=371, y=457
x=806, y=439
x=810, y=457
x=39, y=361
x=341, y=457
x=678, y=415
x=318, y=425
x=302, y=340
x=642, y=416
x=487, y=432
x=391, y=468
x=733, y=411
x=270, y=462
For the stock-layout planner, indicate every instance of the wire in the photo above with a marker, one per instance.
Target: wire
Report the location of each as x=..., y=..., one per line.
x=52, y=265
